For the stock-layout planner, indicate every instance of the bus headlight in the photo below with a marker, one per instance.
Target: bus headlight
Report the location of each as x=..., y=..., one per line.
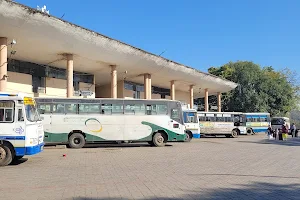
x=33, y=141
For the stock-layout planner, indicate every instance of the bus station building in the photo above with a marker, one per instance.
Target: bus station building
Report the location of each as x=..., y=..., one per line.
x=42, y=55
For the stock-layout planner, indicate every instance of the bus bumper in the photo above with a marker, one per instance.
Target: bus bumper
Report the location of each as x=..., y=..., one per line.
x=32, y=150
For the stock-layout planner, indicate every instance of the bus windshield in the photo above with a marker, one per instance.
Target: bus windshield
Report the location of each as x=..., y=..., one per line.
x=31, y=111
x=190, y=117
x=277, y=121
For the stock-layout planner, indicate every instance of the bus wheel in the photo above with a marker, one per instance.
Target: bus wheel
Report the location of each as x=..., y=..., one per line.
x=76, y=141
x=159, y=140
x=234, y=133
x=188, y=136
x=6, y=156
x=249, y=131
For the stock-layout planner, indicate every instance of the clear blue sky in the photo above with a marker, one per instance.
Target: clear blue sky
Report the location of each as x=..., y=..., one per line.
x=197, y=33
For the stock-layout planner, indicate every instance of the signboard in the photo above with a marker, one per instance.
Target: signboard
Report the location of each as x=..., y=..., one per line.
x=28, y=101
x=86, y=93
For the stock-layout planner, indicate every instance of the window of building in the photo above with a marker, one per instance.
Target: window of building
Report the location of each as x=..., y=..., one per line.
x=38, y=84
x=76, y=85
x=137, y=95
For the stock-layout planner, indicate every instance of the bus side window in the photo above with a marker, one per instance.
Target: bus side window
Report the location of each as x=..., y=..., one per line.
x=71, y=108
x=7, y=111
x=58, y=108
x=106, y=109
x=20, y=115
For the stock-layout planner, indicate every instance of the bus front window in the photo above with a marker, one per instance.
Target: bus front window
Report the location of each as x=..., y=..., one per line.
x=31, y=111
x=190, y=117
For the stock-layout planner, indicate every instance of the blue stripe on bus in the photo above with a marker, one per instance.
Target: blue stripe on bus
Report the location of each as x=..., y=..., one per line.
x=257, y=130
x=21, y=151
x=12, y=137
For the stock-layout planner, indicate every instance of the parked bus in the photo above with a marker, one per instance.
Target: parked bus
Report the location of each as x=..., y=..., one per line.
x=257, y=122
x=21, y=131
x=76, y=122
x=277, y=122
x=191, y=123
x=221, y=123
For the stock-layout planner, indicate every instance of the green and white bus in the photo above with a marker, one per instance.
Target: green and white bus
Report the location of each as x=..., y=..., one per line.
x=76, y=122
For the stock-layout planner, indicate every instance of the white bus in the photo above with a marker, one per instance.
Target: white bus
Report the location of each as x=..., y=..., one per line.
x=277, y=122
x=191, y=122
x=21, y=131
x=76, y=122
x=229, y=124
x=257, y=122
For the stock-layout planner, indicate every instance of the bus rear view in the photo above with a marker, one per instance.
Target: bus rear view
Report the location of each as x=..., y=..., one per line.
x=21, y=130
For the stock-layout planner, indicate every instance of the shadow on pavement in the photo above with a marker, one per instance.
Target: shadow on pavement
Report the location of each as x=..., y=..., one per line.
x=288, y=142
x=18, y=162
x=257, y=190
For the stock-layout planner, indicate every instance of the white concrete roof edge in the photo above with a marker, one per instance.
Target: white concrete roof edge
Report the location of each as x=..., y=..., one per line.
x=128, y=49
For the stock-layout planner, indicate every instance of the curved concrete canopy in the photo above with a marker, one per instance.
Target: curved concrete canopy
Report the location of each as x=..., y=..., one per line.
x=44, y=39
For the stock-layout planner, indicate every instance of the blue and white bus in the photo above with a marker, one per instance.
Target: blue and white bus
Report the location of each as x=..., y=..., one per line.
x=191, y=122
x=21, y=131
x=257, y=122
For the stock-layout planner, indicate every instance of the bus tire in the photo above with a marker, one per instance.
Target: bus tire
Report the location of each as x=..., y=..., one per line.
x=250, y=131
x=159, y=140
x=76, y=141
x=6, y=155
x=234, y=133
x=188, y=136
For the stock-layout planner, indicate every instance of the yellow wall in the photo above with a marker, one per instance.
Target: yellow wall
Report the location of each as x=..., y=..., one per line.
x=56, y=87
x=18, y=82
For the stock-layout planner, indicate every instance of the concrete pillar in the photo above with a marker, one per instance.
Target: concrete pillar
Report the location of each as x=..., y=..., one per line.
x=146, y=86
x=149, y=87
x=3, y=64
x=206, y=101
x=114, y=83
x=70, y=88
x=219, y=102
x=191, y=96
x=172, y=90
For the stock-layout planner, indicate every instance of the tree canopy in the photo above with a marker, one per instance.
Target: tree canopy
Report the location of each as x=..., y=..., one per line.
x=259, y=89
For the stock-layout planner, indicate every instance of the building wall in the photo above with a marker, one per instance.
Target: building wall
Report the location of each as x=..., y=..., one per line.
x=18, y=82
x=103, y=91
x=182, y=96
x=88, y=86
x=55, y=87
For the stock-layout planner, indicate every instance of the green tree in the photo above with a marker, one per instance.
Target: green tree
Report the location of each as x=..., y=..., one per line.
x=259, y=89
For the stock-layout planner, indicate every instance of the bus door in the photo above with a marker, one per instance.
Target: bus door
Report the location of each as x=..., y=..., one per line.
x=46, y=114
x=8, y=129
x=176, y=121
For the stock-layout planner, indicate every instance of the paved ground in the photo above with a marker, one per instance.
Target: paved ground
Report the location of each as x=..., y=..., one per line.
x=248, y=167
